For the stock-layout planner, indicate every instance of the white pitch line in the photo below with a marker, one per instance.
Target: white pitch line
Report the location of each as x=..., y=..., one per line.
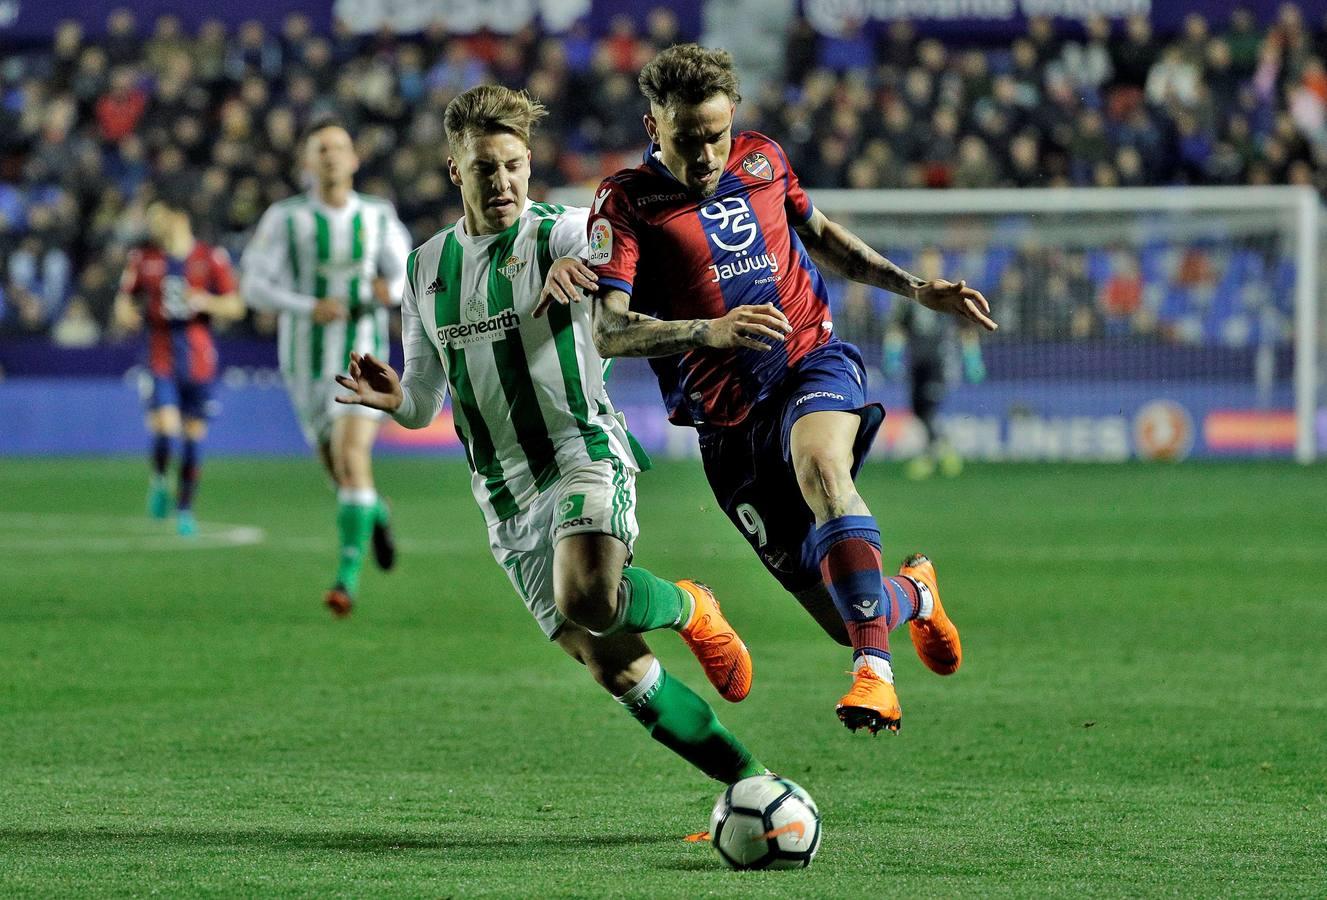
x=91, y=533
x=61, y=532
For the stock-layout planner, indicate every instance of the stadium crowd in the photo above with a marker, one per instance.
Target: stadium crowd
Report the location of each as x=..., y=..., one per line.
x=90, y=130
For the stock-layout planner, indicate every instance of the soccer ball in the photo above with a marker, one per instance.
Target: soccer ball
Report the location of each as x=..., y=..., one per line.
x=765, y=822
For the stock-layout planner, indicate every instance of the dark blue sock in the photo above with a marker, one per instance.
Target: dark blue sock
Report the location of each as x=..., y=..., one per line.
x=160, y=454
x=189, y=466
x=849, y=551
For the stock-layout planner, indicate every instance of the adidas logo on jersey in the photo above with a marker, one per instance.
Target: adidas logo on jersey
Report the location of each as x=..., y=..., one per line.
x=436, y=286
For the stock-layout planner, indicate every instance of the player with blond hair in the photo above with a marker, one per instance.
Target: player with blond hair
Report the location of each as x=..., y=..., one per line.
x=487, y=318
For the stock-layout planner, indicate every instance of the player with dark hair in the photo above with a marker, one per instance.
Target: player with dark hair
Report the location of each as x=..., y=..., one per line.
x=178, y=285
x=704, y=257
x=330, y=262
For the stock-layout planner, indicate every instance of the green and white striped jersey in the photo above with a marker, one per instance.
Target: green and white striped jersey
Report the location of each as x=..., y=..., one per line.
x=303, y=250
x=528, y=397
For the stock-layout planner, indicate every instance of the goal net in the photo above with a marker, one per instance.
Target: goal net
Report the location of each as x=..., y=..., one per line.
x=1135, y=323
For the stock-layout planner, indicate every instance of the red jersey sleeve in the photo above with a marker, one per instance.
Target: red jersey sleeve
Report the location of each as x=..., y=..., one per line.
x=223, y=273
x=129, y=279
x=614, y=248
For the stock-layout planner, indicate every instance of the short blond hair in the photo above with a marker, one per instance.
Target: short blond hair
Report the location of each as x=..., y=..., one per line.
x=488, y=109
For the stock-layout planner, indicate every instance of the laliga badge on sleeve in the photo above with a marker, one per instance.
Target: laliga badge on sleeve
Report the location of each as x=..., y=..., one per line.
x=601, y=242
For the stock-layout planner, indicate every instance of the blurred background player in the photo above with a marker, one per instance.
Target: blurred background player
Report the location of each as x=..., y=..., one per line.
x=178, y=285
x=710, y=234
x=552, y=465
x=933, y=343
x=331, y=262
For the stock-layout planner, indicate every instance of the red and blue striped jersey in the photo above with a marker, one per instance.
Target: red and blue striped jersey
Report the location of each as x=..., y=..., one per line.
x=683, y=256
x=179, y=338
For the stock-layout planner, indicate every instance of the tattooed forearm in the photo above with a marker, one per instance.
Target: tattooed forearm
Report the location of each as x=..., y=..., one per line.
x=618, y=333
x=852, y=258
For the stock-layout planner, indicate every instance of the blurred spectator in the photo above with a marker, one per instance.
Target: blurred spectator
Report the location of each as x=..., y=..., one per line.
x=121, y=108
x=77, y=327
x=91, y=130
x=1122, y=294
x=122, y=43
x=1134, y=53
x=1243, y=38
x=1174, y=80
x=166, y=43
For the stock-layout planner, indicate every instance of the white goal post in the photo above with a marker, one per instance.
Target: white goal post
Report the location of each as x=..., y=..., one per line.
x=1204, y=300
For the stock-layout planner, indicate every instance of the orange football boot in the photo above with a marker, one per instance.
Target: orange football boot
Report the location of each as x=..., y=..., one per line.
x=339, y=601
x=871, y=703
x=935, y=637
x=722, y=655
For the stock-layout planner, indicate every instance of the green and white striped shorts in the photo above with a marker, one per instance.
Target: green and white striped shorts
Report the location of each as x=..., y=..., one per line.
x=316, y=407
x=597, y=498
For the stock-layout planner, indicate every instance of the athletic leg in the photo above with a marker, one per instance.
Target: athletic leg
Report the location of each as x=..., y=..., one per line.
x=671, y=712
x=596, y=588
x=163, y=424
x=349, y=449
x=191, y=461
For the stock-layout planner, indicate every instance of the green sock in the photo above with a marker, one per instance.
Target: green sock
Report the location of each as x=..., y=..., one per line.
x=381, y=514
x=648, y=602
x=355, y=523
x=678, y=718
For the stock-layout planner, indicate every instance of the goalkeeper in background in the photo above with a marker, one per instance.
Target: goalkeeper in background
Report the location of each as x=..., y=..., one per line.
x=933, y=341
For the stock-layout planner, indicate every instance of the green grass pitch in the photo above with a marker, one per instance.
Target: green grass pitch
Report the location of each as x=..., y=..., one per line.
x=1141, y=710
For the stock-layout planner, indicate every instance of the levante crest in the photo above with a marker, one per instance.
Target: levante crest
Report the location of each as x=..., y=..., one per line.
x=757, y=164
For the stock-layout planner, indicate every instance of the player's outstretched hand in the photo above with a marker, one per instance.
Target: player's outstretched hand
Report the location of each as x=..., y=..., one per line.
x=567, y=277
x=371, y=383
x=745, y=326
x=958, y=299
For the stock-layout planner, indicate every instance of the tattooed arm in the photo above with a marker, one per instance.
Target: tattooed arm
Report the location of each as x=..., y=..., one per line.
x=839, y=249
x=619, y=331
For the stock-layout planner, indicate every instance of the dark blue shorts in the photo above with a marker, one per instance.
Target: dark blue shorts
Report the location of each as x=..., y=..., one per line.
x=750, y=470
x=192, y=398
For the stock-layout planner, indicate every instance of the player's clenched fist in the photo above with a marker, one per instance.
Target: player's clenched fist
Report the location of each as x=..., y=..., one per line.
x=372, y=383
x=751, y=327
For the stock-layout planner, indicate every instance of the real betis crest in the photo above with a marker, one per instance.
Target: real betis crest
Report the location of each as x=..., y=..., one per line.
x=757, y=164
x=511, y=268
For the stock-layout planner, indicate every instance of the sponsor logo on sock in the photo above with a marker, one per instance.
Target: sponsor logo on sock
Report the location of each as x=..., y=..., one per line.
x=866, y=607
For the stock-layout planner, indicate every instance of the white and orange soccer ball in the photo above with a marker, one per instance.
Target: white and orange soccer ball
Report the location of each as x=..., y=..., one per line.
x=765, y=822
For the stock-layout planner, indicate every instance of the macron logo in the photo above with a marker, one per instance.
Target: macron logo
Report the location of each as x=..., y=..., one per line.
x=819, y=395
